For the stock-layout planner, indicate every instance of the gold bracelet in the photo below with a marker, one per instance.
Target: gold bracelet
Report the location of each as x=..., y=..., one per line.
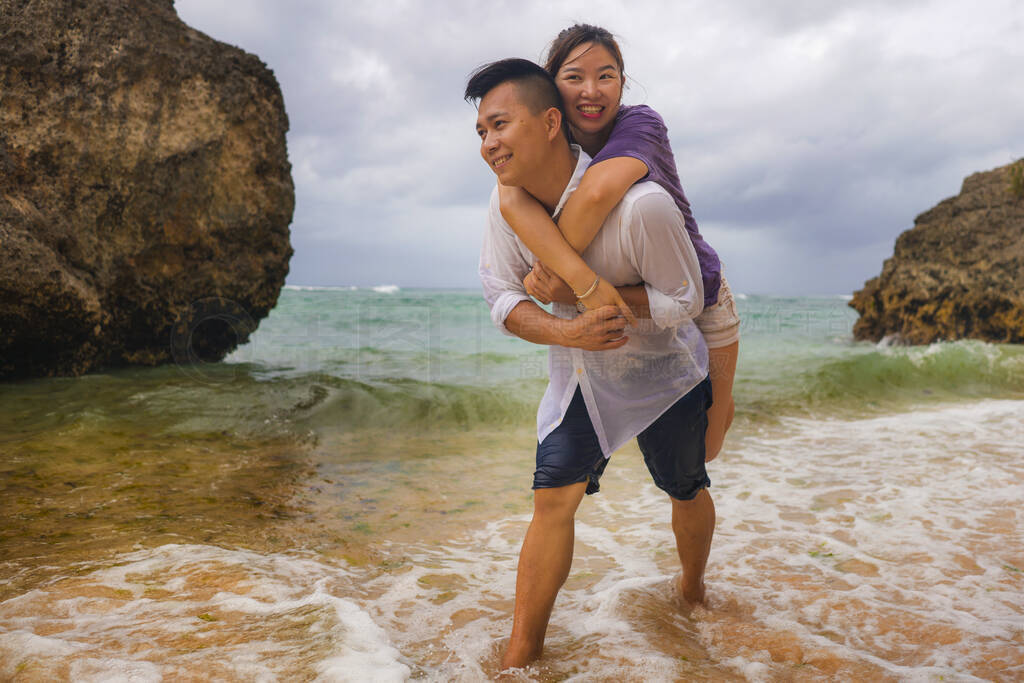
x=590, y=291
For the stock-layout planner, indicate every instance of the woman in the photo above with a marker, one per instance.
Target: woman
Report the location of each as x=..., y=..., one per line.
x=628, y=144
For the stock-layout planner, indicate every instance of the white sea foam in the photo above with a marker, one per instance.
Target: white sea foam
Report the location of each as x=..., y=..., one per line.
x=115, y=670
x=900, y=512
x=320, y=288
x=29, y=644
x=157, y=614
x=872, y=544
x=888, y=547
x=890, y=340
x=380, y=289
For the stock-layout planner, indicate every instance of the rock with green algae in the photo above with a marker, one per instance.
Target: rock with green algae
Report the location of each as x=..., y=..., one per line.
x=145, y=188
x=957, y=274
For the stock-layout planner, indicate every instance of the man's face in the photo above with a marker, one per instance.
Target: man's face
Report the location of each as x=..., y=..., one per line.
x=513, y=140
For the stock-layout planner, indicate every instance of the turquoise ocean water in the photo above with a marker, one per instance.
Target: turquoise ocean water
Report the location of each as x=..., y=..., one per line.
x=334, y=358
x=331, y=358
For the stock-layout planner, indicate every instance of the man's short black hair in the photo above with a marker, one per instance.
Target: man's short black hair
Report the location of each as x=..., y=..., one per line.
x=536, y=87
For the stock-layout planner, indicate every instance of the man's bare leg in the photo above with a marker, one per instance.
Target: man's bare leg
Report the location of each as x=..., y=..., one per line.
x=693, y=522
x=544, y=564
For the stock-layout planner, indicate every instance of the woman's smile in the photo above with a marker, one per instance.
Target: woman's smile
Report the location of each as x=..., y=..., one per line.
x=590, y=82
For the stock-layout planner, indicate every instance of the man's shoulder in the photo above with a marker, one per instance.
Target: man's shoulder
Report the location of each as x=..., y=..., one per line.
x=494, y=217
x=646, y=195
x=495, y=203
x=647, y=205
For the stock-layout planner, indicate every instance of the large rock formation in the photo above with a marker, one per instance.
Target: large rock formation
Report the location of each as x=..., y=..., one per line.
x=958, y=273
x=145, y=189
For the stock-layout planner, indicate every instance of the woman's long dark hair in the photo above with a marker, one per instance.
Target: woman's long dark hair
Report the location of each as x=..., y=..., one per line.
x=580, y=34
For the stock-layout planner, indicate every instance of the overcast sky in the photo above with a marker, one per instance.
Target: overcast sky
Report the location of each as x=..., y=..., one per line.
x=808, y=133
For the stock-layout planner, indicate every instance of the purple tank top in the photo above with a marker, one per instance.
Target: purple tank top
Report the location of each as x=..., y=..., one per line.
x=640, y=133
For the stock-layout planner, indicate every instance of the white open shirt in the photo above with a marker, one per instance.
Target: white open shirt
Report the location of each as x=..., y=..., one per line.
x=625, y=389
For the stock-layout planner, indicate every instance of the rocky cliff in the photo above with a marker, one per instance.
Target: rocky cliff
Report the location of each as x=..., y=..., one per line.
x=958, y=273
x=145, y=189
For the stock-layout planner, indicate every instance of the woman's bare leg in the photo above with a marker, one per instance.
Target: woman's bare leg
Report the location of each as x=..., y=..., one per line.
x=722, y=370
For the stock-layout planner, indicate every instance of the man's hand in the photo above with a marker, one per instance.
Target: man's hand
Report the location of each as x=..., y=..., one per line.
x=600, y=329
x=545, y=286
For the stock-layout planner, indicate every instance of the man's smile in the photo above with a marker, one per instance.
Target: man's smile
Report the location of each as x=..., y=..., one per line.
x=500, y=161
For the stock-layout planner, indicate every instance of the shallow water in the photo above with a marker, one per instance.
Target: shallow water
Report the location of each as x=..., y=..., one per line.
x=844, y=548
x=256, y=520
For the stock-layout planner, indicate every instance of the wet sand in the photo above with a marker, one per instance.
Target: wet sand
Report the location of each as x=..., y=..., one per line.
x=880, y=548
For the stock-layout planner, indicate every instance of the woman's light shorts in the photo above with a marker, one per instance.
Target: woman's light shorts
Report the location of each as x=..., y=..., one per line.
x=720, y=324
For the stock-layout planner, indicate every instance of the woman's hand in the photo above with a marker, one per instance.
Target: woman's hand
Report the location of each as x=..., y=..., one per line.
x=530, y=282
x=607, y=295
x=514, y=201
x=545, y=286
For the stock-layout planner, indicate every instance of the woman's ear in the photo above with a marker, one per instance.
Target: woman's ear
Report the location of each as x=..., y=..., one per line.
x=553, y=122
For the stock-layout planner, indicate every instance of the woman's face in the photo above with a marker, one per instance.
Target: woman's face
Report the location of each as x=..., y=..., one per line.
x=591, y=85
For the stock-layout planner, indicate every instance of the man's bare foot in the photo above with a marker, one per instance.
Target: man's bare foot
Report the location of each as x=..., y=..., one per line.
x=513, y=675
x=518, y=658
x=691, y=595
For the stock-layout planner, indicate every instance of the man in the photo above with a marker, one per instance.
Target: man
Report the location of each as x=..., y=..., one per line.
x=605, y=387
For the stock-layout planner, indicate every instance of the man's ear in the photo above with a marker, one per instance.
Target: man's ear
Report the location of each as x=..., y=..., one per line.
x=553, y=123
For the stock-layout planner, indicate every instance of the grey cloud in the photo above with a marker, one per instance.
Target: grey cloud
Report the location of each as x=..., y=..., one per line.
x=815, y=131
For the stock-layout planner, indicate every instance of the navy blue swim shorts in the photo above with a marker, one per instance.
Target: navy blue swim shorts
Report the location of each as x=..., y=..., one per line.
x=673, y=448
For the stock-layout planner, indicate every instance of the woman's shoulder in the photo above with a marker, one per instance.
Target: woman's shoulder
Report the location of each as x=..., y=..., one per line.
x=641, y=121
x=639, y=113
